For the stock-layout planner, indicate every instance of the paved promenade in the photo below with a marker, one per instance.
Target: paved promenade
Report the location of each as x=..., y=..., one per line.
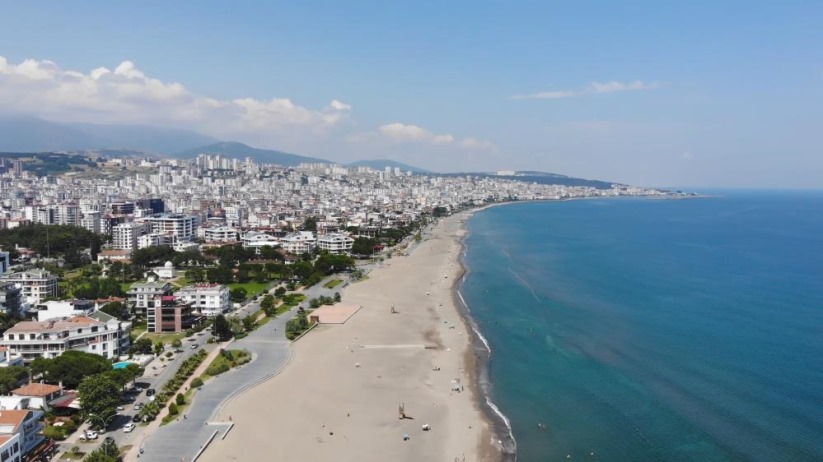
x=181, y=440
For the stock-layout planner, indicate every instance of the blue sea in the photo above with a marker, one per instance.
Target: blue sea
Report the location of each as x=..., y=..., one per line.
x=654, y=330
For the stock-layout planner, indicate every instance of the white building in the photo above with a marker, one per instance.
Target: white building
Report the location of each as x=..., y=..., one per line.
x=336, y=243
x=142, y=294
x=68, y=214
x=154, y=240
x=180, y=227
x=57, y=309
x=125, y=236
x=220, y=234
x=36, y=284
x=167, y=271
x=256, y=240
x=98, y=333
x=299, y=242
x=208, y=299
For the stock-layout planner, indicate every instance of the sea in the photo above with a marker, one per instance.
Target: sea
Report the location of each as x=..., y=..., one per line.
x=653, y=330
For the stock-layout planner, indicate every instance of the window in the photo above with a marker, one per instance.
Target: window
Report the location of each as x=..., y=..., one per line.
x=11, y=336
x=32, y=336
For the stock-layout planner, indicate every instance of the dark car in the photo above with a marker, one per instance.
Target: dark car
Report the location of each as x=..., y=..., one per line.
x=150, y=392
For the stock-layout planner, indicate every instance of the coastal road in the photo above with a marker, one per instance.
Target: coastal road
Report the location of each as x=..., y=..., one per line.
x=182, y=439
x=270, y=350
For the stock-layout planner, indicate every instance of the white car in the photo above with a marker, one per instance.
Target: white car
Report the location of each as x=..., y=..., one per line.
x=89, y=435
x=128, y=428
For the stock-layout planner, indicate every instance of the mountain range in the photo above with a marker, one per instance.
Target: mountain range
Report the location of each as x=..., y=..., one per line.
x=27, y=134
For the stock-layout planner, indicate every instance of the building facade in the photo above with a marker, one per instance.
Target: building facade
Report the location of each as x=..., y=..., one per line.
x=36, y=284
x=100, y=334
x=142, y=294
x=10, y=298
x=207, y=299
x=168, y=313
x=335, y=243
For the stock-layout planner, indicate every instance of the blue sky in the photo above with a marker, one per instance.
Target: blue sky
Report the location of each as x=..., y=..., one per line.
x=653, y=93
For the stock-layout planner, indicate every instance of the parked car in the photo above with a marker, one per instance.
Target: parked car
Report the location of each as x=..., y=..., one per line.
x=89, y=435
x=150, y=392
x=120, y=408
x=194, y=347
x=128, y=428
x=138, y=406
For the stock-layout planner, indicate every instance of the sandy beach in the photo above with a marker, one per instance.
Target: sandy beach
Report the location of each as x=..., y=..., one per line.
x=338, y=399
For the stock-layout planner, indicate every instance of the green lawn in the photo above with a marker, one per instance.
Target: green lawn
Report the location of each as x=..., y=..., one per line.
x=252, y=288
x=126, y=286
x=221, y=362
x=166, y=338
x=333, y=283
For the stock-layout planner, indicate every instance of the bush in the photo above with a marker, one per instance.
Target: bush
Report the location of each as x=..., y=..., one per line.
x=181, y=400
x=55, y=433
x=217, y=369
x=197, y=382
x=173, y=409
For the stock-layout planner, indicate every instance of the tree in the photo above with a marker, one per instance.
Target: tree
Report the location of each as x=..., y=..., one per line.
x=158, y=348
x=180, y=399
x=238, y=294
x=337, y=297
x=142, y=346
x=70, y=367
x=196, y=274
x=116, y=309
x=280, y=292
x=221, y=328
x=267, y=302
x=11, y=377
x=176, y=343
x=310, y=224
x=99, y=396
x=249, y=322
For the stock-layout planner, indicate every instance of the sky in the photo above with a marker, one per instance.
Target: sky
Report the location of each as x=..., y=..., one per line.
x=699, y=93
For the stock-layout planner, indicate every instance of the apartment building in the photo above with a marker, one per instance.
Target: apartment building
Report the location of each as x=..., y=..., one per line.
x=125, y=236
x=21, y=434
x=256, y=240
x=220, y=234
x=142, y=294
x=97, y=333
x=335, y=243
x=36, y=284
x=299, y=242
x=208, y=299
x=168, y=313
x=180, y=227
x=10, y=298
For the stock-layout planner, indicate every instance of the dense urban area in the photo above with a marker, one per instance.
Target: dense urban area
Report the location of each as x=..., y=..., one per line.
x=119, y=276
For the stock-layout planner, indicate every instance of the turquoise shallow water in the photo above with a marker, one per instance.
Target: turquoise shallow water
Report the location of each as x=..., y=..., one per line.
x=655, y=330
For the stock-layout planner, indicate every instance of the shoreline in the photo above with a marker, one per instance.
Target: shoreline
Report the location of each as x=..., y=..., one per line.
x=480, y=353
x=338, y=398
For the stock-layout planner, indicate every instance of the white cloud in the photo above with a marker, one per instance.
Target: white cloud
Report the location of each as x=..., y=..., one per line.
x=547, y=95
x=406, y=133
x=593, y=88
x=339, y=106
x=128, y=95
x=613, y=86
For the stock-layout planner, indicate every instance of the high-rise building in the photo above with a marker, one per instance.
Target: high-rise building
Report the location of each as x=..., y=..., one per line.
x=125, y=235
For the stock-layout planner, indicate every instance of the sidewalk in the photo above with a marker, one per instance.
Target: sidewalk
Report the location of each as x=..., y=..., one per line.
x=134, y=452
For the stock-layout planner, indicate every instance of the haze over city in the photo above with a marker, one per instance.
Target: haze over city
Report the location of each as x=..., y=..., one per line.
x=699, y=94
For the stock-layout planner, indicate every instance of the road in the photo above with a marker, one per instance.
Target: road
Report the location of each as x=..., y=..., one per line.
x=182, y=439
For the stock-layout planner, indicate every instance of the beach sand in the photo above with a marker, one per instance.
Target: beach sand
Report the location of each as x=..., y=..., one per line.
x=338, y=399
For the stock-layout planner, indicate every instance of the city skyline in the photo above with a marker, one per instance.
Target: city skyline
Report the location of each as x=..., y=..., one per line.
x=696, y=95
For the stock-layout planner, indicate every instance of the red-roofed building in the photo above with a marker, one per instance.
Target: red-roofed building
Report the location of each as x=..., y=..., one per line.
x=26, y=425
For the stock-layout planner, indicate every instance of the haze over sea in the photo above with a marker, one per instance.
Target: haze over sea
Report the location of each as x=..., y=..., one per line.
x=655, y=329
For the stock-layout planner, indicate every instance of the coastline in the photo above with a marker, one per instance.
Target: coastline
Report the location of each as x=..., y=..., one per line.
x=338, y=399
x=479, y=356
